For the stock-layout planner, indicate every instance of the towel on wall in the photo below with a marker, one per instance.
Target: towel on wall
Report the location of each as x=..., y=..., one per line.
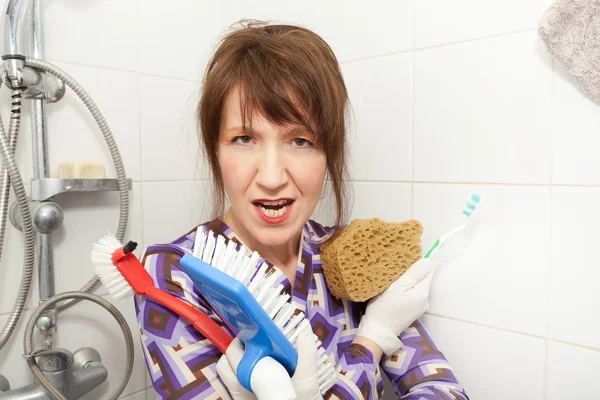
x=571, y=31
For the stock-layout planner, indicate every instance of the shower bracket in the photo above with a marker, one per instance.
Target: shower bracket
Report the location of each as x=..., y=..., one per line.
x=35, y=84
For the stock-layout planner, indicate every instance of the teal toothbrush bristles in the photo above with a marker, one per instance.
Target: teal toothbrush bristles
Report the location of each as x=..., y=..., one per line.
x=471, y=205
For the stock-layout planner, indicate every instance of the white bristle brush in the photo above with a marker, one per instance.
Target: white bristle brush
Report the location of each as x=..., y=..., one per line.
x=242, y=266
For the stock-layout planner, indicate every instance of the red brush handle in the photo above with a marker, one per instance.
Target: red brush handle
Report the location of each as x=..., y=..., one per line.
x=141, y=282
x=203, y=324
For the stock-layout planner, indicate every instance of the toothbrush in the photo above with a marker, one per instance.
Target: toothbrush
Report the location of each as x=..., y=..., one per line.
x=470, y=208
x=252, y=306
x=123, y=275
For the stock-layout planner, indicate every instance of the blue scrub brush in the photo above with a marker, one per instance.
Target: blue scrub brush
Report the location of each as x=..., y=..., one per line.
x=251, y=305
x=459, y=236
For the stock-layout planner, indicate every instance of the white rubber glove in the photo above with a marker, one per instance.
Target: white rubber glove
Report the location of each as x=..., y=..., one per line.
x=393, y=311
x=226, y=366
x=306, y=384
x=305, y=377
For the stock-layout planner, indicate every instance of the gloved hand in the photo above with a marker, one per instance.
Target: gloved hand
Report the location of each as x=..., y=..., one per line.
x=304, y=380
x=225, y=367
x=391, y=312
x=305, y=377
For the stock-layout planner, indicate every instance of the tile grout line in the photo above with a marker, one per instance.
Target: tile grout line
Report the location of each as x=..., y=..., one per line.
x=437, y=46
x=504, y=330
x=133, y=394
x=140, y=124
x=482, y=325
x=476, y=39
x=457, y=183
x=373, y=57
x=507, y=184
x=128, y=71
x=413, y=91
x=141, y=165
x=551, y=230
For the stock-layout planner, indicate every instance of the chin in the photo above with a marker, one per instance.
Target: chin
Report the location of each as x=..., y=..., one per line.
x=275, y=237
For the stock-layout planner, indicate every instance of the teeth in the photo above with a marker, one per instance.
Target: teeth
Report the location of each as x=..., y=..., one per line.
x=273, y=213
x=274, y=203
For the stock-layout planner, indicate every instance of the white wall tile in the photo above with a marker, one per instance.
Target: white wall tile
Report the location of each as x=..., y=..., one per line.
x=148, y=379
x=73, y=134
x=151, y=394
x=11, y=267
x=575, y=276
x=12, y=365
x=380, y=93
x=325, y=211
x=483, y=112
x=356, y=29
x=275, y=11
x=137, y=396
x=99, y=33
x=577, y=123
x=572, y=371
x=88, y=217
x=177, y=38
x=388, y=201
x=171, y=209
x=439, y=21
x=491, y=364
x=501, y=277
x=170, y=145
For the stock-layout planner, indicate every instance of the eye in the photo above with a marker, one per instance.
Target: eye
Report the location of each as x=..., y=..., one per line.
x=242, y=139
x=301, y=142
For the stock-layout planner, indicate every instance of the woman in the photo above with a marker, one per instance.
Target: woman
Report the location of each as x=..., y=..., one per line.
x=272, y=120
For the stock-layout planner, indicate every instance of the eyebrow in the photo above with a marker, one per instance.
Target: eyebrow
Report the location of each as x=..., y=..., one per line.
x=297, y=128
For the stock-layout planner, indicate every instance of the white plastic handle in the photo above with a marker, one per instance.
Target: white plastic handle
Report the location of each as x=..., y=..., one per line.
x=271, y=381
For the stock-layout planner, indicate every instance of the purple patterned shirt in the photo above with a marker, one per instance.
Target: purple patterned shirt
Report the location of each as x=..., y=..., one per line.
x=182, y=363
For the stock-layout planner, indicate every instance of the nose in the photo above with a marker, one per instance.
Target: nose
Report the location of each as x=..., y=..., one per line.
x=272, y=174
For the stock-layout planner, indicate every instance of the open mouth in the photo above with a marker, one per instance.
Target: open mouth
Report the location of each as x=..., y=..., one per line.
x=273, y=209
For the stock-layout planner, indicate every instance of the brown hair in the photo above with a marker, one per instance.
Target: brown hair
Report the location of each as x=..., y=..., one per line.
x=290, y=76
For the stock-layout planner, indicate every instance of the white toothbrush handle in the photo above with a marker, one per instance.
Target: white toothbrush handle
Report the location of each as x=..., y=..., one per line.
x=454, y=243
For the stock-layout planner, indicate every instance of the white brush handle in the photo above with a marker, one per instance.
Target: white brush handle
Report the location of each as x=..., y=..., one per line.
x=271, y=381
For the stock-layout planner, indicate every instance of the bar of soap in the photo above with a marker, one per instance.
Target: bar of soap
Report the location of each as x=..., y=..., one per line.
x=81, y=170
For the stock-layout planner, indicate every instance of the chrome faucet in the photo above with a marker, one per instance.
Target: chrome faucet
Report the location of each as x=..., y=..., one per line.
x=74, y=374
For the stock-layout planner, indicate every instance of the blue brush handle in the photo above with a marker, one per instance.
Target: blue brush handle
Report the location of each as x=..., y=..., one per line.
x=234, y=304
x=253, y=353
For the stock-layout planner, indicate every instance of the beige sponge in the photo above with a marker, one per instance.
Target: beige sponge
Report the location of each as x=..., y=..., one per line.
x=364, y=258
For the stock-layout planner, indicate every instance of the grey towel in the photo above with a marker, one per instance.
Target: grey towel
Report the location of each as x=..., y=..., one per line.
x=571, y=31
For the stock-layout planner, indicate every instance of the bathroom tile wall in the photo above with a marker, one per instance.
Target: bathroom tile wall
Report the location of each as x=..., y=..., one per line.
x=448, y=98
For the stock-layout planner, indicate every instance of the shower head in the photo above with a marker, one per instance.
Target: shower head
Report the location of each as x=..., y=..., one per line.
x=16, y=26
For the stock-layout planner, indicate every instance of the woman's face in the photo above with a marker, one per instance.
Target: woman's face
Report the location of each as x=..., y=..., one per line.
x=273, y=175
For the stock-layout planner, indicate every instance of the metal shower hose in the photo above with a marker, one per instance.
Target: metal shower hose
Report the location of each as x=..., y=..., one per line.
x=13, y=176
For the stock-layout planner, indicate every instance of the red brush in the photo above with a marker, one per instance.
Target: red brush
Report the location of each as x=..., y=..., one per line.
x=123, y=275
